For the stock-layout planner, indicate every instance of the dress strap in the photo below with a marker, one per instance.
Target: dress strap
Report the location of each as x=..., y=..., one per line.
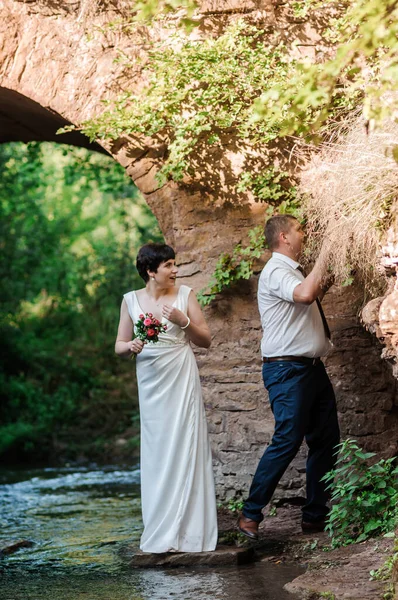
x=131, y=302
x=184, y=292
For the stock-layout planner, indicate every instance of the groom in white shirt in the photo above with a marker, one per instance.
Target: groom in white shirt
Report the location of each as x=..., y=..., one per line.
x=295, y=336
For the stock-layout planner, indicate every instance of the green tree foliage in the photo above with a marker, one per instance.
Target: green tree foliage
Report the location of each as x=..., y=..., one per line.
x=71, y=221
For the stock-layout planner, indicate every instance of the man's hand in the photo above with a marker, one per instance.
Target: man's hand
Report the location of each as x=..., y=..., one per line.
x=318, y=281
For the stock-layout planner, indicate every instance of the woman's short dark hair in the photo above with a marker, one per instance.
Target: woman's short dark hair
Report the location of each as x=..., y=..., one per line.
x=150, y=256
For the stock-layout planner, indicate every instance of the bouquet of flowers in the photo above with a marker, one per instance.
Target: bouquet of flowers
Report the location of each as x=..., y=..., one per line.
x=147, y=328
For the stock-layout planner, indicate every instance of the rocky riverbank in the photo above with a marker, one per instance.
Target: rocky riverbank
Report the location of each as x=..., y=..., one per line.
x=340, y=574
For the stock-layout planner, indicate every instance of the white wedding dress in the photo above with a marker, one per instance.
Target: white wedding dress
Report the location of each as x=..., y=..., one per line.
x=177, y=483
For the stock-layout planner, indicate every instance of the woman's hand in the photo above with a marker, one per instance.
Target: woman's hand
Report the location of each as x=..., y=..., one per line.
x=174, y=315
x=136, y=346
x=195, y=327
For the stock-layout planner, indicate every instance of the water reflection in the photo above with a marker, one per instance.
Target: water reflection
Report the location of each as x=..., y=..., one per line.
x=261, y=581
x=254, y=582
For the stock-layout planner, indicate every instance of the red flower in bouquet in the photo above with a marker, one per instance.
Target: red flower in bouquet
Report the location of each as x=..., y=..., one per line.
x=147, y=328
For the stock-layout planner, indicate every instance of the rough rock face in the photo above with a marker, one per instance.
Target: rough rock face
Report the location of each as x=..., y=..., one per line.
x=379, y=316
x=57, y=55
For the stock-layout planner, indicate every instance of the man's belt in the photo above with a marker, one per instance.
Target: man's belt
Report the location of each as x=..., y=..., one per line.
x=302, y=359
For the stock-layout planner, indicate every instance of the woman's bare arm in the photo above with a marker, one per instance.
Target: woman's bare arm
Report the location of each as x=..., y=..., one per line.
x=124, y=345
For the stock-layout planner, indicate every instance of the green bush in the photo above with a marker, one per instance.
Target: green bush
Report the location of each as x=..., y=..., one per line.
x=364, y=496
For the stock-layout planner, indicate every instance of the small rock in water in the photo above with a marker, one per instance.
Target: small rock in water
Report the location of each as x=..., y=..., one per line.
x=11, y=546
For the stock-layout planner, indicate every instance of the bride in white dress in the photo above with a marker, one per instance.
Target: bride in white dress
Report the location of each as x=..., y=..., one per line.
x=177, y=483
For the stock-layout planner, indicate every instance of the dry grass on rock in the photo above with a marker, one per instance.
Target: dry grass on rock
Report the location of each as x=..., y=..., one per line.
x=350, y=189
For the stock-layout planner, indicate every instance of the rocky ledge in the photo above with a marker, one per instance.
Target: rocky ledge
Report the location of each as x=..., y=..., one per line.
x=223, y=556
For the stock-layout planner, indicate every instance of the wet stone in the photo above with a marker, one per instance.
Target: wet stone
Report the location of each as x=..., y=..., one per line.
x=223, y=556
x=11, y=546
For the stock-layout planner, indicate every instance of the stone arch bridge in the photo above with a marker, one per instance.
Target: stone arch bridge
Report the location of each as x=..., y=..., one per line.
x=52, y=73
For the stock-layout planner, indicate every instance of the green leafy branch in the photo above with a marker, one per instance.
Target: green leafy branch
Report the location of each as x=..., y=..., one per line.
x=273, y=187
x=147, y=10
x=245, y=85
x=233, y=267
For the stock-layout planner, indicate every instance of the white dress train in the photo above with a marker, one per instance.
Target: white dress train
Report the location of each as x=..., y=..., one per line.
x=177, y=482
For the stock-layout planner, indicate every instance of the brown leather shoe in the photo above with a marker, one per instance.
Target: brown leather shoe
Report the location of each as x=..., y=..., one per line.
x=248, y=527
x=313, y=526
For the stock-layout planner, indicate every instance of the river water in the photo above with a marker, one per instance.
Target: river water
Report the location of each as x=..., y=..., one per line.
x=78, y=519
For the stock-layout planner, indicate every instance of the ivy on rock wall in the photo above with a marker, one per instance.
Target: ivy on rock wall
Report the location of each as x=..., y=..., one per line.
x=198, y=90
x=364, y=70
x=239, y=264
x=244, y=85
x=235, y=266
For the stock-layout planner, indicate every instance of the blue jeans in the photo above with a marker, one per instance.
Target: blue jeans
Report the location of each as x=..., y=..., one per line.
x=304, y=406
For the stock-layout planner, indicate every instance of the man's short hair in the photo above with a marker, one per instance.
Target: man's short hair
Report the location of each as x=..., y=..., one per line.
x=276, y=225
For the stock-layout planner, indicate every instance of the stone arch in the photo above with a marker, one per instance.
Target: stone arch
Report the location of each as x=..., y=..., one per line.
x=49, y=65
x=24, y=120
